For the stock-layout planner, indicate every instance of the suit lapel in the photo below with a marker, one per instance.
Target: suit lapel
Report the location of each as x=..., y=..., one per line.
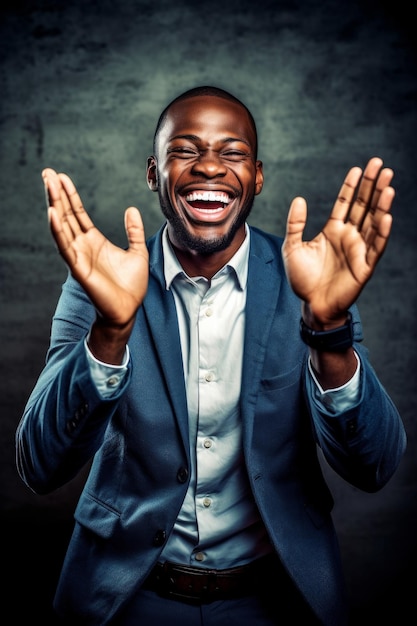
x=264, y=282
x=159, y=309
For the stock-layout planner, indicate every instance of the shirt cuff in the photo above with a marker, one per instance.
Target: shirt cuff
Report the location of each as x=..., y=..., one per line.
x=338, y=399
x=107, y=378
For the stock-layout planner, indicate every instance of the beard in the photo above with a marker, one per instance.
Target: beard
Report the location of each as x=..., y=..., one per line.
x=203, y=245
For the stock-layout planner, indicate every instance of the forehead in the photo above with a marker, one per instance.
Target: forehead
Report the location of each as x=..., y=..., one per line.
x=208, y=118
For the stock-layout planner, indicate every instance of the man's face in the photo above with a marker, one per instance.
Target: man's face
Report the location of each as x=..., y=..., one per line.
x=206, y=173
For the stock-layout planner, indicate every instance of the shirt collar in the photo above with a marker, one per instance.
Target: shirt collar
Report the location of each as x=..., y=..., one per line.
x=238, y=262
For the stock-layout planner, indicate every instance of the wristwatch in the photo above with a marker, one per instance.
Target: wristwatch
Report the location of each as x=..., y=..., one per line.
x=335, y=340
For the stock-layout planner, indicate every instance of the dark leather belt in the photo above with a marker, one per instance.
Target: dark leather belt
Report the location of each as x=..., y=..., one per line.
x=202, y=585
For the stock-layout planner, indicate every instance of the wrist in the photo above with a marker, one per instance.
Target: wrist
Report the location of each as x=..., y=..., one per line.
x=334, y=339
x=107, y=342
x=319, y=322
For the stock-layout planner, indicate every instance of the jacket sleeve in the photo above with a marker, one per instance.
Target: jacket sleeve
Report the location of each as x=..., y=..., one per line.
x=365, y=443
x=65, y=418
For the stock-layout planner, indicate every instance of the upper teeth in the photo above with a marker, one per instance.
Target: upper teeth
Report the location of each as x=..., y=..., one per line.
x=208, y=196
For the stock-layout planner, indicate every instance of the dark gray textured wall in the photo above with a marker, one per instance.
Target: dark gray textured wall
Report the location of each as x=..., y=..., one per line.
x=330, y=84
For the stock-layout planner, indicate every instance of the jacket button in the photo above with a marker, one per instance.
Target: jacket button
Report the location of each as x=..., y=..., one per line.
x=70, y=426
x=351, y=427
x=182, y=474
x=159, y=538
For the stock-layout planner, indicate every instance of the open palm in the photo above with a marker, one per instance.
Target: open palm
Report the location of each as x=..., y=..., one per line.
x=115, y=279
x=329, y=272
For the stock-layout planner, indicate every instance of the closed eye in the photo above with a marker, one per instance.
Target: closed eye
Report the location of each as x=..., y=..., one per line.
x=182, y=151
x=235, y=155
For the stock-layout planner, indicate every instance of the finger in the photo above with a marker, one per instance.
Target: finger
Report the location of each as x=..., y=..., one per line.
x=61, y=218
x=77, y=216
x=296, y=221
x=384, y=180
x=53, y=188
x=365, y=192
x=379, y=240
x=346, y=195
x=135, y=230
x=63, y=243
x=47, y=176
x=375, y=222
x=56, y=208
x=381, y=202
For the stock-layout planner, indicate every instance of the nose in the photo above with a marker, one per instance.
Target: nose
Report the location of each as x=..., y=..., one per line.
x=210, y=165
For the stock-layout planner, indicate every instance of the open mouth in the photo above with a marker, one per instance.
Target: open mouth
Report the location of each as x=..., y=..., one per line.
x=208, y=200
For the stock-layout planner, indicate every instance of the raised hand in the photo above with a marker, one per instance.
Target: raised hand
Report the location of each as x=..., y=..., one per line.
x=329, y=272
x=116, y=280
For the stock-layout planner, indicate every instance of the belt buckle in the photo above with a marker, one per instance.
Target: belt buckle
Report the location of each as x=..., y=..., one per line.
x=208, y=592
x=203, y=594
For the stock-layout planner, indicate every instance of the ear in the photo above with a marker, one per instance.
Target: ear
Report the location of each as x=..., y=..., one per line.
x=259, y=178
x=152, y=173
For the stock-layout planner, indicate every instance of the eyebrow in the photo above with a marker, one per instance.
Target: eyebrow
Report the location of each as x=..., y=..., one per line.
x=196, y=138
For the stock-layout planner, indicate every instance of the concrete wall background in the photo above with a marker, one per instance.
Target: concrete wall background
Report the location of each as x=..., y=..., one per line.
x=330, y=83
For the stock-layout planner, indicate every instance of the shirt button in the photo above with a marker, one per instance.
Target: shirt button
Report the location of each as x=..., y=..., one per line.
x=199, y=556
x=209, y=312
x=112, y=381
x=207, y=443
x=209, y=377
x=327, y=400
x=207, y=502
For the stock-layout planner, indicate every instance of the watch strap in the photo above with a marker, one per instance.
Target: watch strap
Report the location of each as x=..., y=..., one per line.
x=335, y=340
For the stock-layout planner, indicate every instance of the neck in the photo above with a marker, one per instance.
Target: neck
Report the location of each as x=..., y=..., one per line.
x=207, y=265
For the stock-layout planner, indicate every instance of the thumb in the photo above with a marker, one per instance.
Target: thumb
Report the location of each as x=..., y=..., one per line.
x=296, y=221
x=134, y=228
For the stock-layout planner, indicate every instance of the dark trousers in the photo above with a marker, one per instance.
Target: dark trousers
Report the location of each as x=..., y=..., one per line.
x=149, y=609
x=275, y=602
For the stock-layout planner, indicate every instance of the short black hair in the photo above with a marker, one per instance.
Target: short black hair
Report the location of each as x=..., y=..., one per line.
x=204, y=90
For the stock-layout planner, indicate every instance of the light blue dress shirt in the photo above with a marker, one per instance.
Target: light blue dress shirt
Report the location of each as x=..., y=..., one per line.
x=218, y=525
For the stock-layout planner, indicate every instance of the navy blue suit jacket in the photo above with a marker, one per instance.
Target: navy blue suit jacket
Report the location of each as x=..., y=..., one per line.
x=140, y=447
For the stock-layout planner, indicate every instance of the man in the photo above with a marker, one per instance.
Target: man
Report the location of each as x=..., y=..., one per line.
x=182, y=366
